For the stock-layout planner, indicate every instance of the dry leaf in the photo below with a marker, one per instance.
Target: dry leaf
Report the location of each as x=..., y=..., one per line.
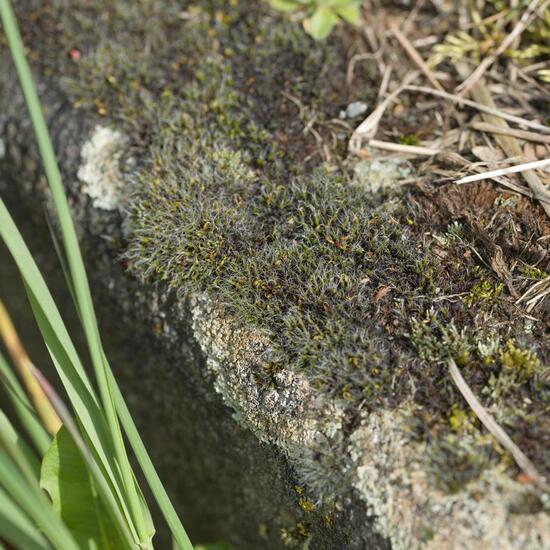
x=488, y=154
x=381, y=292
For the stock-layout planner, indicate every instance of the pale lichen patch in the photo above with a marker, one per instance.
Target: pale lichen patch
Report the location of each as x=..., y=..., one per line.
x=413, y=514
x=100, y=169
x=234, y=357
x=380, y=175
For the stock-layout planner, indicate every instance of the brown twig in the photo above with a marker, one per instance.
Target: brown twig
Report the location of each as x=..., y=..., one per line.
x=415, y=56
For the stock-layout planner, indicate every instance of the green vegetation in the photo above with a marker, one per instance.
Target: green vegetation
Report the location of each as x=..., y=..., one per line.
x=483, y=293
x=95, y=498
x=532, y=272
x=230, y=196
x=320, y=16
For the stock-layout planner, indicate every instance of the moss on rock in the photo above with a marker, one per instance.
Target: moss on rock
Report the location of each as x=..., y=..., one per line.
x=365, y=294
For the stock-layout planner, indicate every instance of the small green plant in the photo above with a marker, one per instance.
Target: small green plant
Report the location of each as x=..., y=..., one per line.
x=483, y=293
x=520, y=361
x=517, y=367
x=320, y=16
x=532, y=272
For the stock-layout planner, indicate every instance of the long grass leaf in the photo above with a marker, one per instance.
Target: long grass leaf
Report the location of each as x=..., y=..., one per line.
x=89, y=413
x=155, y=484
x=24, y=456
x=60, y=347
x=34, y=280
x=17, y=529
x=23, y=408
x=87, y=455
x=33, y=502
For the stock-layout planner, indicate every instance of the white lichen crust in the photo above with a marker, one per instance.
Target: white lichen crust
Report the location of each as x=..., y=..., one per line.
x=234, y=357
x=100, y=171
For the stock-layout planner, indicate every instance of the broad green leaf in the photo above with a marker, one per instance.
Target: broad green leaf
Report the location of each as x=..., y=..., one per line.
x=351, y=14
x=284, y=5
x=17, y=529
x=65, y=477
x=321, y=23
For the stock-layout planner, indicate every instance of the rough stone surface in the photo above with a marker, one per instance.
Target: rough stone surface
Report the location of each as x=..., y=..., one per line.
x=280, y=328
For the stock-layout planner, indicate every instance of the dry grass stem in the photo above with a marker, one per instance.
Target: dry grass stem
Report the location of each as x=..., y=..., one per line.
x=402, y=148
x=480, y=107
x=504, y=171
x=415, y=56
x=508, y=144
x=25, y=368
x=535, y=294
x=520, y=134
x=368, y=128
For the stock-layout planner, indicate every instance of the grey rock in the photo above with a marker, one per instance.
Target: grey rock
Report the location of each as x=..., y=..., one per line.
x=355, y=109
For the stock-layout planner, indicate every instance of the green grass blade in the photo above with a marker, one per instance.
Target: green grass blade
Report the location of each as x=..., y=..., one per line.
x=17, y=529
x=65, y=357
x=74, y=257
x=22, y=454
x=155, y=484
x=58, y=342
x=89, y=413
x=63, y=354
x=31, y=500
x=101, y=483
x=35, y=282
x=23, y=407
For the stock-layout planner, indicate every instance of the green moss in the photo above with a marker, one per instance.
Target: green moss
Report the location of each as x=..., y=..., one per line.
x=483, y=293
x=520, y=361
x=533, y=272
x=517, y=368
x=410, y=139
x=230, y=196
x=462, y=421
x=455, y=461
x=436, y=340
